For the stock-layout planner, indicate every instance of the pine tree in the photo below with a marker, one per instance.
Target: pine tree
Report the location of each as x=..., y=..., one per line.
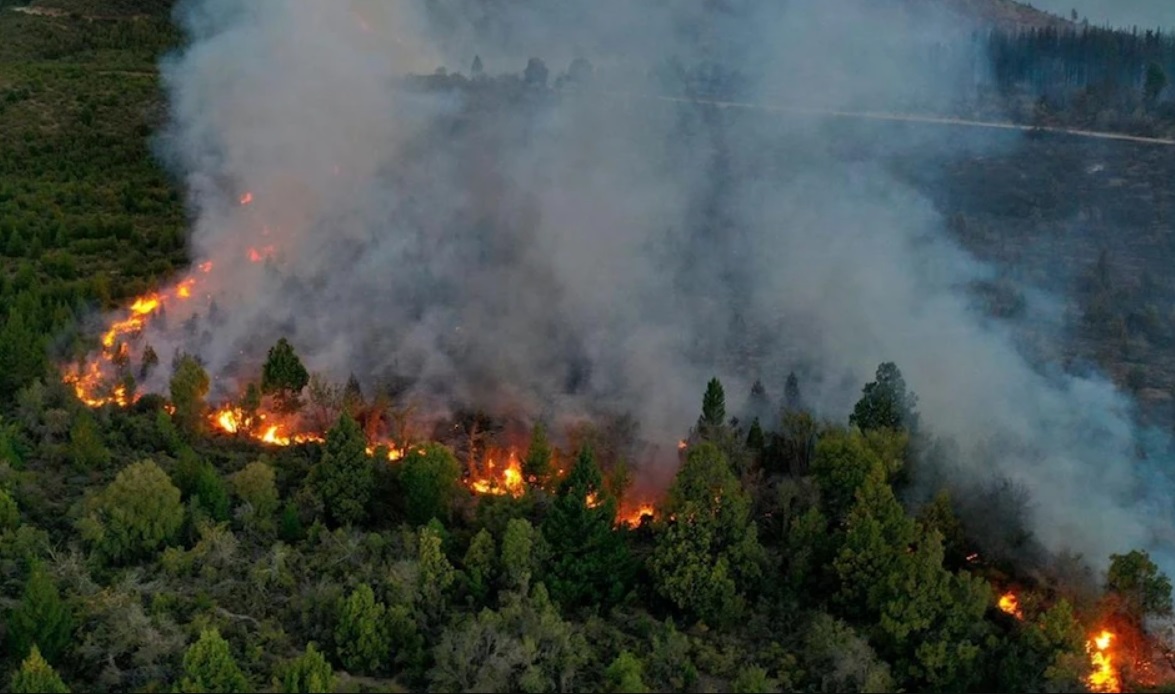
x=209, y=666
x=309, y=673
x=36, y=676
x=431, y=478
x=885, y=403
x=284, y=376
x=345, y=477
x=361, y=635
x=590, y=563
x=713, y=407
x=188, y=388
x=41, y=620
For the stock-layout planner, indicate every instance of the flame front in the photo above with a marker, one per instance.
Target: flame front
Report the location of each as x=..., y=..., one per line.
x=1104, y=677
x=1010, y=604
x=508, y=482
x=634, y=517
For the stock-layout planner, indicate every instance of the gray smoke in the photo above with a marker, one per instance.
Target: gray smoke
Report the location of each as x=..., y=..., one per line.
x=591, y=250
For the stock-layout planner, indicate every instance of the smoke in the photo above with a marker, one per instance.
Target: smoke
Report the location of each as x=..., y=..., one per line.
x=599, y=249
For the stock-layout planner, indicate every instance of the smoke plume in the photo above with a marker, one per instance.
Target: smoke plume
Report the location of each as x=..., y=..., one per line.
x=593, y=248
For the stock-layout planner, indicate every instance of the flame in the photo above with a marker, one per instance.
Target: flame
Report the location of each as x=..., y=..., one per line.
x=681, y=445
x=246, y=198
x=508, y=482
x=592, y=500
x=1104, y=677
x=634, y=517
x=229, y=420
x=205, y=267
x=1010, y=604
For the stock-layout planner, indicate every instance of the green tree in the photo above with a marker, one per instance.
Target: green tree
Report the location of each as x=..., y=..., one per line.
x=345, y=477
x=136, y=514
x=885, y=402
x=188, y=388
x=9, y=512
x=753, y=680
x=708, y=556
x=85, y=443
x=590, y=564
x=209, y=666
x=283, y=376
x=713, y=409
x=41, y=619
x=212, y=492
x=36, y=676
x=843, y=461
x=256, y=485
x=436, y=575
x=536, y=467
x=1156, y=82
x=479, y=564
x=361, y=637
x=309, y=673
x=1138, y=583
x=431, y=477
x=518, y=558
x=22, y=350
x=624, y=674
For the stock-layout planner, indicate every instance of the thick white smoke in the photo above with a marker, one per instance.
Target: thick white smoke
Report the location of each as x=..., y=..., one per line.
x=579, y=251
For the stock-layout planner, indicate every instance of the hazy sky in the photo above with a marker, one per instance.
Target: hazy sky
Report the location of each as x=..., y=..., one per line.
x=1143, y=13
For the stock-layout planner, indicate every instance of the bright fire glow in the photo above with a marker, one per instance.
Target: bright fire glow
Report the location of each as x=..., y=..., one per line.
x=592, y=500
x=507, y=481
x=246, y=198
x=632, y=518
x=1011, y=605
x=1104, y=677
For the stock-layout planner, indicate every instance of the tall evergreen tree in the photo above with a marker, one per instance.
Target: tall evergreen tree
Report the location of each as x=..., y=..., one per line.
x=886, y=403
x=345, y=477
x=590, y=563
x=41, y=619
x=283, y=376
x=36, y=676
x=309, y=673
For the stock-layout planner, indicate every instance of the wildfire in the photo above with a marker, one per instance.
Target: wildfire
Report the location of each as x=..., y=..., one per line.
x=508, y=482
x=232, y=420
x=634, y=517
x=1104, y=677
x=1010, y=604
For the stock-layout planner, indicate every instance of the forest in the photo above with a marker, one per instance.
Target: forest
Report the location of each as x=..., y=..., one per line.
x=171, y=542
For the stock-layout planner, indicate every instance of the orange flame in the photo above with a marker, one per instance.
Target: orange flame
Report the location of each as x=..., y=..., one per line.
x=1010, y=604
x=246, y=198
x=633, y=518
x=1104, y=677
x=508, y=482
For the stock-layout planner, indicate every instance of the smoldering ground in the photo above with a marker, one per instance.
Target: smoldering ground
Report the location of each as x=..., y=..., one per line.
x=572, y=251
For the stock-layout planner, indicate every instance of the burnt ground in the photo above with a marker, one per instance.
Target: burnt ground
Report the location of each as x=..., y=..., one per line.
x=1089, y=221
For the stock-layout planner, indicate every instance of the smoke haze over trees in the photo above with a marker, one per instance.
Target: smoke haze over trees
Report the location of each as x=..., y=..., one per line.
x=494, y=354
x=569, y=253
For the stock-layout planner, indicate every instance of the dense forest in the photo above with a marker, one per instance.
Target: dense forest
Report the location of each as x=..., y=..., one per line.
x=146, y=548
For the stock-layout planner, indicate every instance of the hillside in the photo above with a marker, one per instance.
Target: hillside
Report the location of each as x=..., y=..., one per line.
x=1004, y=14
x=317, y=532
